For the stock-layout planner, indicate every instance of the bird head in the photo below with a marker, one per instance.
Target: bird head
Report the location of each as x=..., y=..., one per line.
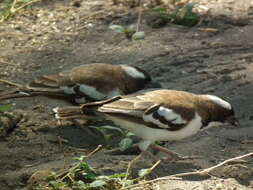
x=219, y=110
x=141, y=79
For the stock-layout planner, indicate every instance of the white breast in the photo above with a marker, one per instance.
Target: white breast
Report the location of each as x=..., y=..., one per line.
x=153, y=135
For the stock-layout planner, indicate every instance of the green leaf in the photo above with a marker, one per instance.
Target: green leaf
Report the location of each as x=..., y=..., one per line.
x=56, y=184
x=103, y=177
x=112, y=128
x=4, y=108
x=160, y=10
x=129, y=134
x=144, y=172
x=125, y=144
x=120, y=175
x=138, y=36
x=80, y=185
x=80, y=158
x=97, y=183
x=128, y=182
x=26, y=1
x=131, y=28
x=117, y=28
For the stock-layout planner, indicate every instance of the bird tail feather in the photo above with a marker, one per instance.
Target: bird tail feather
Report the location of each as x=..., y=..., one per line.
x=68, y=112
x=27, y=92
x=16, y=93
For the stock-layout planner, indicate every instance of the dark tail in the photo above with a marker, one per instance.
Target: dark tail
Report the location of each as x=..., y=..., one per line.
x=44, y=85
x=85, y=111
x=16, y=93
x=26, y=92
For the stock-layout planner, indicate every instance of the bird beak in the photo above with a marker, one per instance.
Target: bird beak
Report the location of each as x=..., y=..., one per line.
x=153, y=84
x=233, y=121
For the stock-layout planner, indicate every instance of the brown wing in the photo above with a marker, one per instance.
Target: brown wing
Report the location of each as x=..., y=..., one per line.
x=156, y=109
x=94, y=75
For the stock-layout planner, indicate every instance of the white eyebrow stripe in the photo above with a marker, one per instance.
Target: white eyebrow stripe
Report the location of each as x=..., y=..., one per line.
x=219, y=101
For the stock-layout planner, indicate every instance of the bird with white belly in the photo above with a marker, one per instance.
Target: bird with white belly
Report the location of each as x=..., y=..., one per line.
x=159, y=115
x=85, y=83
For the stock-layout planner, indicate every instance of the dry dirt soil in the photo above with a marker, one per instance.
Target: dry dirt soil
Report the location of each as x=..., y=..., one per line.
x=55, y=35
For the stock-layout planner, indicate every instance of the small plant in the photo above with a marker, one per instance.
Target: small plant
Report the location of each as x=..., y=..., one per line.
x=110, y=132
x=8, y=8
x=130, y=32
x=182, y=15
x=83, y=177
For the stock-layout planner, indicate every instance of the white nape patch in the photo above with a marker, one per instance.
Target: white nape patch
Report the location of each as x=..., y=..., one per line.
x=67, y=90
x=219, y=101
x=91, y=92
x=132, y=71
x=153, y=135
x=167, y=114
x=80, y=100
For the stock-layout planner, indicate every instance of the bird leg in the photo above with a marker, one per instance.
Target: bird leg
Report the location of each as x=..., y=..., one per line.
x=135, y=149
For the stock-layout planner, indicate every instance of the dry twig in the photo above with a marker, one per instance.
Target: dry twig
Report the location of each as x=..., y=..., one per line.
x=198, y=172
x=66, y=172
x=139, y=16
x=11, y=83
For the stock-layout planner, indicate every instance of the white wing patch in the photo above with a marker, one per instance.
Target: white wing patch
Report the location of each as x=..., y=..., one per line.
x=167, y=114
x=67, y=90
x=91, y=92
x=219, y=101
x=170, y=115
x=95, y=94
x=132, y=71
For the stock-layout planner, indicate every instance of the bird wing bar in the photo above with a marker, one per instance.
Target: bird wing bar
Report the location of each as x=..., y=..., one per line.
x=164, y=118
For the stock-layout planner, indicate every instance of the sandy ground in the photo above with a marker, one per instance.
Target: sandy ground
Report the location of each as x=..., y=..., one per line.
x=59, y=35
